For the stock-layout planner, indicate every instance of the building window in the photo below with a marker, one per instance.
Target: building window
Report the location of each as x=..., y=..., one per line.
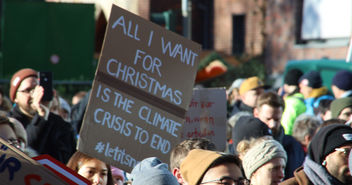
x=238, y=34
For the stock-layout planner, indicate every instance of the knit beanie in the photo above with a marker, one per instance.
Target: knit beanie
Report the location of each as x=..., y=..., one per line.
x=250, y=84
x=197, y=162
x=327, y=139
x=312, y=79
x=260, y=154
x=248, y=127
x=293, y=76
x=151, y=171
x=117, y=173
x=338, y=105
x=235, y=84
x=17, y=78
x=343, y=80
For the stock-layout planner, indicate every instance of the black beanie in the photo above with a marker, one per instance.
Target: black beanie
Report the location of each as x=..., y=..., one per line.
x=249, y=127
x=293, y=76
x=327, y=139
x=314, y=79
x=343, y=80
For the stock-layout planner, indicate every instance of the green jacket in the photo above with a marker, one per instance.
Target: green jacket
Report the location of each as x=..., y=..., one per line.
x=294, y=106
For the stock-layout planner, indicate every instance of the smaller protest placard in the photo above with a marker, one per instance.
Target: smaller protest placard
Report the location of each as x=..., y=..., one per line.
x=17, y=168
x=65, y=173
x=206, y=116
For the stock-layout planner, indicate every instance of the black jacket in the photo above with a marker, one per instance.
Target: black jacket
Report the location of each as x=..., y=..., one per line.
x=53, y=136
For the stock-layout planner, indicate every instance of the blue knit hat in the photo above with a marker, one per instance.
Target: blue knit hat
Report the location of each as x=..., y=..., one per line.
x=151, y=171
x=314, y=79
x=343, y=80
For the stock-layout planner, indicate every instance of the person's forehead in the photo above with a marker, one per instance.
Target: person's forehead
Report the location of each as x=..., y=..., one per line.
x=349, y=109
x=29, y=81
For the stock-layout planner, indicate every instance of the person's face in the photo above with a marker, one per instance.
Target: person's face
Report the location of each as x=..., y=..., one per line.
x=271, y=116
x=224, y=170
x=250, y=98
x=337, y=164
x=271, y=173
x=304, y=88
x=345, y=114
x=336, y=91
x=23, y=95
x=95, y=171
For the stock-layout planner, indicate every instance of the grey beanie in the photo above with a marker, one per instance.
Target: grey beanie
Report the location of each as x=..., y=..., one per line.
x=260, y=154
x=151, y=171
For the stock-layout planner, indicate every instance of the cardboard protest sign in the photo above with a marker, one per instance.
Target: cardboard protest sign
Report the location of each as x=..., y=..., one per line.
x=206, y=116
x=140, y=94
x=62, y=171
x=17, y=168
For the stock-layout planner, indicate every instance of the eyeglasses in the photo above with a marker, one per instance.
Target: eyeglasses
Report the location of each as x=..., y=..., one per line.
x=345, y=151
x=27, y=91
x=226, y=180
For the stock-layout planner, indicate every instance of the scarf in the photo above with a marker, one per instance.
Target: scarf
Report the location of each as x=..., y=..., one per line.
x=317, y=174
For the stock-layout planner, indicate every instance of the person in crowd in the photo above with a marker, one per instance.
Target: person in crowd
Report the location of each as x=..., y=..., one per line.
x=341, y=84
x=327, y=159
x=248, y=127
x=250, y=89
x=65, y=109
x=269, y=110
x=294, y=100
x=78, y=111
x=59, y=106
x=342, y=108
x=5, y=103
x=330, y=122
x=263, y=160
x=233, y=94
x=311, y=86
x=210, y=167
x=7, y=132
x=231, y=122
x=151, y=171
x=304, y=129
x=77, y=97
x=117, y=175
x=47, y=133
x=180, y=151
x=96, y=171
x=323, y=112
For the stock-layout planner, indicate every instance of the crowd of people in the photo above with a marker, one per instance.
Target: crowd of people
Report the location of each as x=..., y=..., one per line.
x=298, y=134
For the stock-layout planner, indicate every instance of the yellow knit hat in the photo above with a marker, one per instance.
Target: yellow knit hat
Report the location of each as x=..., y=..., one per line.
x=250, y=84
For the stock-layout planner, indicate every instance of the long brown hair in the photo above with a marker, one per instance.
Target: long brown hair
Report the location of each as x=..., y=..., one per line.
x=79, y=158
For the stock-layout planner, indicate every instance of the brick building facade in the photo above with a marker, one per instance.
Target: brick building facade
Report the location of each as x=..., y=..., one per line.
x=252, y=27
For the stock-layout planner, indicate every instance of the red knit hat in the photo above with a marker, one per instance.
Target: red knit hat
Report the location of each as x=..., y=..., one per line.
x=17, y=78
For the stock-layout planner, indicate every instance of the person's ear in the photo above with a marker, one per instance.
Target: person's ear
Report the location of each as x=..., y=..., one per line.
x=256, y=112
x=177, y=173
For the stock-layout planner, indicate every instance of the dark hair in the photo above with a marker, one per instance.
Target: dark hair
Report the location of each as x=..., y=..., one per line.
x=330, y=122
x=79, y=158
x=323, y=107
x=226, y=158
x=181, y=150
